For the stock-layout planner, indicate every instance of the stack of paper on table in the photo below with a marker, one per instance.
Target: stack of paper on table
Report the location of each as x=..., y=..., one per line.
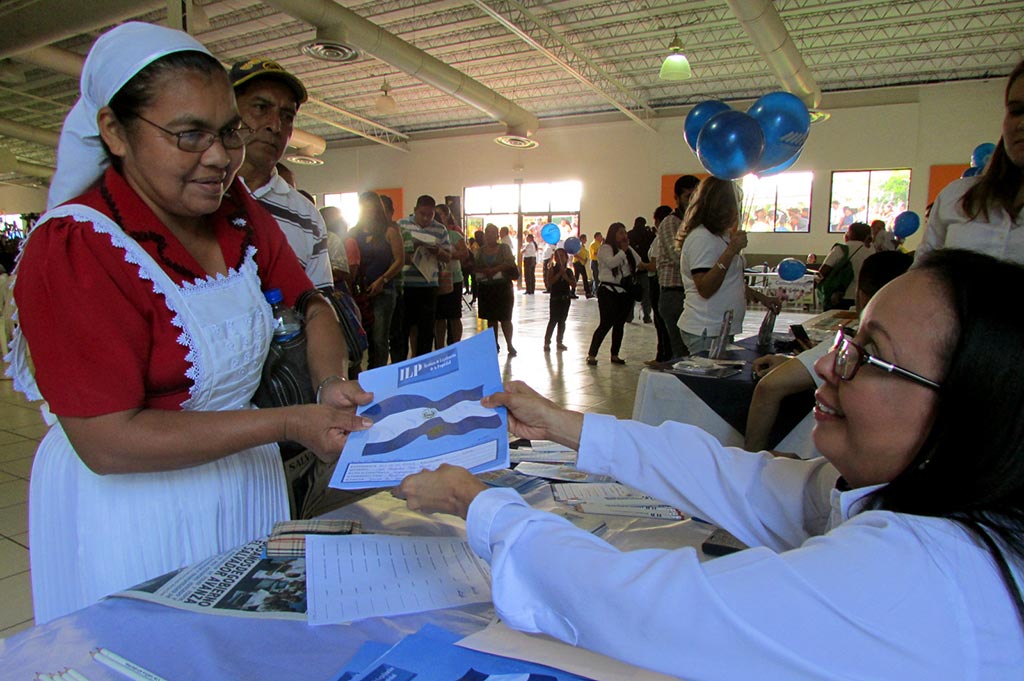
x=613, y=499
x=565, y=472
x=518, y=481
x=544, y=451
x=499, y=639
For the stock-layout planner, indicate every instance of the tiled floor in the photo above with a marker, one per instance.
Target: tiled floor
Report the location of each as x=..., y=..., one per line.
x=562, y=376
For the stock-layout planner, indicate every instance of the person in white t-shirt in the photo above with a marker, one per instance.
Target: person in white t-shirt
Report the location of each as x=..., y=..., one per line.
x=712, y=267
x=986, y=213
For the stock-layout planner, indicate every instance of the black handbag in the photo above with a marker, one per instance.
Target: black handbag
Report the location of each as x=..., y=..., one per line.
x=632, y=285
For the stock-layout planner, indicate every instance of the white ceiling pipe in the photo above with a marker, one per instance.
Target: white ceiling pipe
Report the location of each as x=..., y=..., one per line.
x=70, y=63
x=28, y=133
x=44, y=22
x=34, y=170
x=335, y=22
x=55, y=59
x=763, y=24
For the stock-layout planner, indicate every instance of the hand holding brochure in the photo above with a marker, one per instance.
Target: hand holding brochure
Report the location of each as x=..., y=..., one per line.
x=426, y=412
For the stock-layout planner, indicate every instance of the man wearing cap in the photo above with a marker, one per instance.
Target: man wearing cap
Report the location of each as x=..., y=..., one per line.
x=268, y=101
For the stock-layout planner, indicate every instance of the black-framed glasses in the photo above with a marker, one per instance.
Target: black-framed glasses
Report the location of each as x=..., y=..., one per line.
x=198, y=141
x=848, y=357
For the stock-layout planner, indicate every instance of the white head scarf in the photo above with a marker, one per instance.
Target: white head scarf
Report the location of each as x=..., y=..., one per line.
x=113, y=60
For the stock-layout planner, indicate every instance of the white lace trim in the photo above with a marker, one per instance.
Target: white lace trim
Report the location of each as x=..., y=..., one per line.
x=19, y=369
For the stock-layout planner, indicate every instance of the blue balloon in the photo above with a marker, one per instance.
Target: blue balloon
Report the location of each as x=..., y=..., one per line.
x=730, y=145
x=791, y=269
x=906, y=223
x=572, y=245
x=971, y=172
x=981, y=154
x=785, y=122
x=782, y=167
x=551, y=233
x=698, y=116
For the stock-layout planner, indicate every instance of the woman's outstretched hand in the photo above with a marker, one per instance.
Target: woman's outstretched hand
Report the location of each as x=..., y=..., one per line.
x=535, y=417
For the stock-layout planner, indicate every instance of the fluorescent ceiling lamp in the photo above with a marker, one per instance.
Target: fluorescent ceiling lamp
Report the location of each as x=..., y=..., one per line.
x=676, y=66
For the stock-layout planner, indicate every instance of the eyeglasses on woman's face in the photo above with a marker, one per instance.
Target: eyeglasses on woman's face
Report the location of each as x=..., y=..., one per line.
x=848, y=358
x=198, y=141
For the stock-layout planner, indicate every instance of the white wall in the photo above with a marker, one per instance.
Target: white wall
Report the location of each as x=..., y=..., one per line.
x=22, y=200
x=621, y=164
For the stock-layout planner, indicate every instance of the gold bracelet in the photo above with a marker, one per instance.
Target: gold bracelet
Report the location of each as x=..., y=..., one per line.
x=323, y=383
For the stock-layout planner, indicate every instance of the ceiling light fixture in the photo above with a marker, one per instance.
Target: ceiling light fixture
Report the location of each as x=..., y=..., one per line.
x=819, y=116
x=301, y=159
x=676, y=66
x=385, y=104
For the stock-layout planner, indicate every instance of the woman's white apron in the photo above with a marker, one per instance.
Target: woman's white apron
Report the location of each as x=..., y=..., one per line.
x=93, y=535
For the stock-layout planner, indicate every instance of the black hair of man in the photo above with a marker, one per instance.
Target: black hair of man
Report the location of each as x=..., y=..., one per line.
x=685, y=182
x=859, y=231
x=879, y=269
x=426, y=200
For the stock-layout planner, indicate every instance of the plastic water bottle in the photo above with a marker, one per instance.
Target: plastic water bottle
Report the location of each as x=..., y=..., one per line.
x=287, y=324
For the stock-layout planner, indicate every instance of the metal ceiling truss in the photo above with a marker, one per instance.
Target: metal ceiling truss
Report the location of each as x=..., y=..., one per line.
x=541, y=37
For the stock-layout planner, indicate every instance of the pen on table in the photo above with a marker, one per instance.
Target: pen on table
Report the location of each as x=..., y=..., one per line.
x=126, y=667
x=73, y=675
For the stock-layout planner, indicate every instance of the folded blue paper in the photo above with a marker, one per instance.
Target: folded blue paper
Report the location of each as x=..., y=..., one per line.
x=431, y=655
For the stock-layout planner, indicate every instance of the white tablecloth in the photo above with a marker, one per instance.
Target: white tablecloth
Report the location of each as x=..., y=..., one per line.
x=180, y=645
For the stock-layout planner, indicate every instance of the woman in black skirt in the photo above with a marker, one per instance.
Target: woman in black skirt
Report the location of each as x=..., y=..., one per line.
x=496, y=271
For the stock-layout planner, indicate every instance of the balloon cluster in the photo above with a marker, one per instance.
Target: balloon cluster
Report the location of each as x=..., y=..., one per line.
x=979, y=158
x=765, y=140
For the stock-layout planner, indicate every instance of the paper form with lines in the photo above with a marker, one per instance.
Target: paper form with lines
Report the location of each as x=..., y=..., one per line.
x=357, y=576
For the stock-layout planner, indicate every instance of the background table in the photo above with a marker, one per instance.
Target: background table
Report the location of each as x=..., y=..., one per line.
x=186, y=646
x=720, y=405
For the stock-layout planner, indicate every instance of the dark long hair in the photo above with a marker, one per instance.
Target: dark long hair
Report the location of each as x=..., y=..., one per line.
x=970, y=468
x=375, y=224
x=715, y=205
x=1001, y=179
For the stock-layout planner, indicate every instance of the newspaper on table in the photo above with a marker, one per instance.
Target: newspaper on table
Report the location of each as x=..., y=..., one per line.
x=426, y=412
x=239, y=583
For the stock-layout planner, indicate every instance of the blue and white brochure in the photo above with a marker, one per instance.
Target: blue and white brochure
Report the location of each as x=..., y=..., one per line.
x=426, y=411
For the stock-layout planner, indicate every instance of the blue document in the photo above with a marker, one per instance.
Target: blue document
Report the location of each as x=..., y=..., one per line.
x=424, y=656
x=426, y=412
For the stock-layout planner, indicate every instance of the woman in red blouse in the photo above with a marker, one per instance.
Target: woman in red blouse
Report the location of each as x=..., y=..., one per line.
x=141, y=301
